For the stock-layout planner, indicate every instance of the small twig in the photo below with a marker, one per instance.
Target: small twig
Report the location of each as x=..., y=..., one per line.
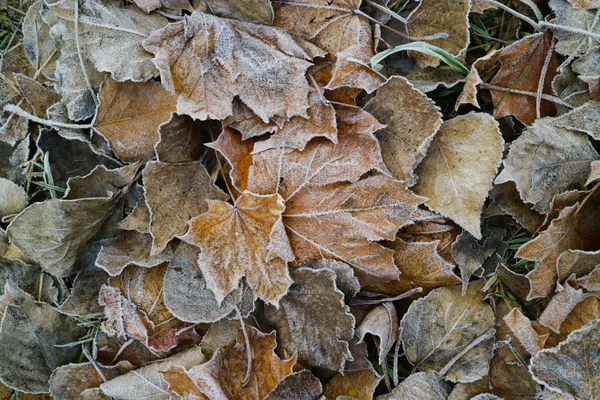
x=121, y=349
x=93, y=362
x=387, y=11
x=396, y=352
x=544, y=96
x=40, y=288
x=513, y=12
x=19, y=111
x=356, y=301
x=570, y=29
x=540, y=88
x=248, y=348
x=80, y=55
x=441, y=35
x=170, y=16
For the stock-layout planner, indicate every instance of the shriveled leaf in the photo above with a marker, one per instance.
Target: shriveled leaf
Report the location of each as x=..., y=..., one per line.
x=457, y=173
x=579, y=356
x=359, y=385
x=450, y=333
x=227, y=367
x=224, y=54
x=545, y=161
x=29, y=336
x=176, y=193
x=147, y=382
x=411, y=121
x=54, y=233
x=313, y=321
x=433, y=17
x=422, y=385
x=101, y=182
x=129, y=116
x=522, y=66
x=243, y=240
x=382, y=321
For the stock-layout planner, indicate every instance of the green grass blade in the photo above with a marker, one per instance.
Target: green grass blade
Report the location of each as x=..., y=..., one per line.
x=425, y=48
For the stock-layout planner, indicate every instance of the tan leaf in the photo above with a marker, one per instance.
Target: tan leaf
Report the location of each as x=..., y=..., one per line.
x=228, y=366
x=129, y=116
x=561, y=305
x=382, y=321
x=582, y=119
x=257, y=11
x=579, y=356
x=576, y=228
x=300, y=320
x=358, y=385
x=139, y=218
x=578, y=262
x=506, y=196
x=457, y=173
x=333, y=26
x=13, y=198
x=411, y=121
x=481, y=66
x=69, y=382
x=181, y=383
x=39, y=97
x=298, y=386
x=545, y=161
x=432, y=17
x=101, y=182
x=151, y=5
x=595, y=172
x=450, y=333
x=419, y=386
x=236, y=241
x=39, y=45
x=224, y=53
x=238, y=154
x=520, y=326
x=522, y=66
x=176, y=193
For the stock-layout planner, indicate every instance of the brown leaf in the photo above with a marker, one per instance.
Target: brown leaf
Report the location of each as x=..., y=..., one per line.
x=129, y=116
x=579, y=356
x=176, y=193
x=330, y=212
x=38, y=97
x=520, y=326
x=506, y=196
x=227, y=367
x=69, y=382
x=243, y=240
x=257, y=11
x=382, y=321
x=546, y=161
x=298, y=386
x=238, y=154
x=563, y=302
x=576, y=228
x=411, y=121
x=151, y=5
x=522, y=66
x=457, y=173
x=358, y=385
x=450, y=333
x=182, y=139
x=595, y=172
x=479, y=67
x=101, y=182
x=432, y=17
x=419, y=386
x=312, y=320
x=224, y=53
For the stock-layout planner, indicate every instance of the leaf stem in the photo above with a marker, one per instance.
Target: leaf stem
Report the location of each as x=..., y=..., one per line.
x=544, y=96
x=441, y=35
x=570, y=29
x=513, y=12
x=19, y=111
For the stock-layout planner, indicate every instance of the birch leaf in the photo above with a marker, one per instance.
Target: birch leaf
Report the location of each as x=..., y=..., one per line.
x=422, y=385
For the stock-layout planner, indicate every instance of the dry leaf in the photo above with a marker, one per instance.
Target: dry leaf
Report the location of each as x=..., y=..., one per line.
x=151, y=5
x=257, y=11
x=181, y=139
x=522, y=66
x=71, y=381
x=225, y=54
x=243, y=240
x=298, y=386
x=13, y=198
x=507, y=197
x=129, y=116
x=411, y=121
x=582, y=119
x=457, y=173
x=382, y=321
x=520, y=326
x=579, y=356
x=450, y=333
x=420, y=386
x=545, y=161
x=312, y=320
x=238, y=154
x=358, y=385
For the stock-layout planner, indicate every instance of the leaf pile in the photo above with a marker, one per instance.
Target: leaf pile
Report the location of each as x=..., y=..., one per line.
x=308, y=199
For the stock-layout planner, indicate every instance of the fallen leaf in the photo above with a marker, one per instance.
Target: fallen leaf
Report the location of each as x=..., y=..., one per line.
x=182, y=138
x=312, y=320
x=71, y=381
x=38, y=96
x=129, y=116
x=422, y=385
x=506, y=196
x=545, y=161
x=13, y=198
x=176, y=193
x=581, y=119
x=579, y=356
x=359, y=385
x=432, y=17
x=298, y=386
x=27, y=278
x=345, y=280
x=225, y=54
x=227, y=367
x=242, y=240
x=238, y=154
x=382, y=321
x=257, y=11
x=521, y=327
x=411, y=120
x=11, y=159
x=101, y=182
x=466, y=152
x=30, y=342
x=151, y=5
x=522, y=67
x=450, y=333
x=563, y=302
x=39, y=45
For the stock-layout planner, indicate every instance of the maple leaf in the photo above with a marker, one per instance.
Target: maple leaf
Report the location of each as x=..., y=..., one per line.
x=224, y=53
x=243, y=240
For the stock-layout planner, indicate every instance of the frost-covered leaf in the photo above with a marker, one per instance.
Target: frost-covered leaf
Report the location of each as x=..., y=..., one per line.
x=422, y=385
x=450, y=333
x=574, y=366
x=298, y=386
x=257, y=11
x=176, y=193
x=358, y=385
x=39, y=45
x=243, y=240
x=72, y=381
x=581, y=119
x=129, y=116
x=457, y=172
x=182, y=139
x=313, y=321
x=545, y=161
x=382, y=321
x=223, y=55
x=29, y=336
x=13, y=198
x=411, y=121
